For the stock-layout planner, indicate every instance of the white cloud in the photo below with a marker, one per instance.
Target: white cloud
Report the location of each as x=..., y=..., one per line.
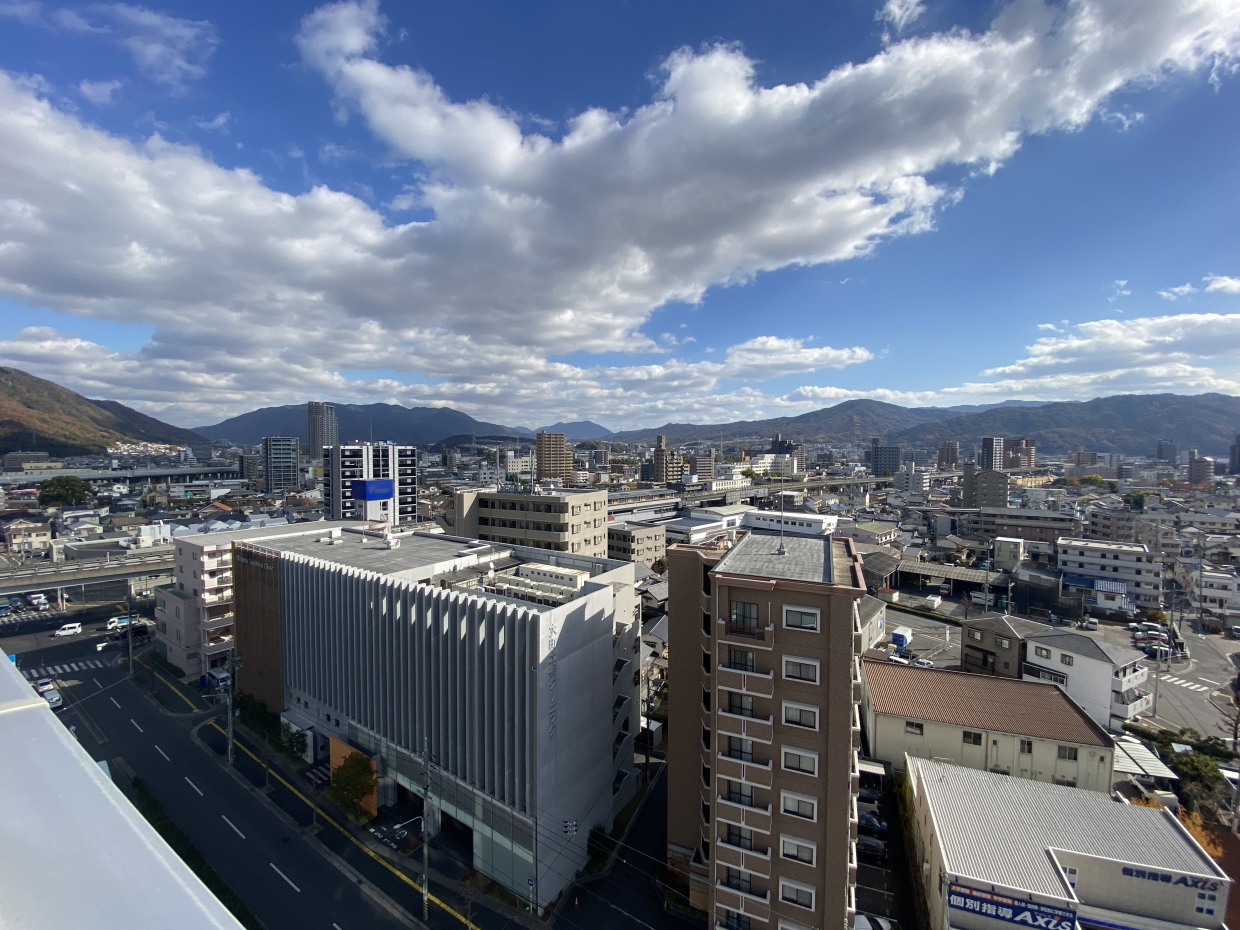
x=1175, y=293
x=1119, y=288
x=219, y=123
x=99, y=92
x=1221, y=284
x=901, y=13
x=534, y=246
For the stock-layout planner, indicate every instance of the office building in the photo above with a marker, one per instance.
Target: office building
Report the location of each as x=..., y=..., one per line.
x=636, y=542
x=666, y=464
x=992, y=457
x=560, y=520
x=1024, y=728
x=1131, y=565
x=371, y=481
x=703, y=465
x=497, y=683
x=884, y=460
x=1201, y=470
x=991, y=852
x=324, y=428
x=1233, y=460
x=553, y=457
x=949, y=455
x=761, y=807
x=781, y=446
x=280, y=473
x=1168, y=451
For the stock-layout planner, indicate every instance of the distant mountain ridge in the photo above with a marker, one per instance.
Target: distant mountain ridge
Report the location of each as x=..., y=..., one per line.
x=41, y=416
x=578, y=429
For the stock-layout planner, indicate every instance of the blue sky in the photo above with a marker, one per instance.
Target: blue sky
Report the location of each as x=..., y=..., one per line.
x=620, y=211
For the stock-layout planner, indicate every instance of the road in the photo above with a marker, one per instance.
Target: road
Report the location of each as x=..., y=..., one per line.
x=275, y=870
x=933, y=640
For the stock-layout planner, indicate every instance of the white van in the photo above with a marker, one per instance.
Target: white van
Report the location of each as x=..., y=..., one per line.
x=116, y=623
x=69, y=629
x=219, y=678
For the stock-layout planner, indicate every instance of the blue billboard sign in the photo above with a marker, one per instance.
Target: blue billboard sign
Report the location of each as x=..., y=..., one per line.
x=373, y=489
x=1011, y=910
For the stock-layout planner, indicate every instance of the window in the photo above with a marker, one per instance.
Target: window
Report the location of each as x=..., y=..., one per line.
x=1065, y=658
x=739, y=748
x=705, y=661
x=1026, y=747
x=796, y=893
x=740, y=793
x=972, y=739
x=740, y=704
x=1068, y=753
x=705, y=774
x=741, y=660
x=799, y=805
x=706, y=580
x=744, y=617
x=1066, y=782
x=739, y=837
x=705, y=623
x=706, y=700
x=796, y=849
x=801, y=715
x=799, y=669
x=735, y=921
x=801, y=760
x=706, y=738
x=975, y=634
x=1042, y=652
x=917, y=729
x=737, y=880
x=1206, y=902
x=1003, y=642
x=798, y=618
x=705, y=812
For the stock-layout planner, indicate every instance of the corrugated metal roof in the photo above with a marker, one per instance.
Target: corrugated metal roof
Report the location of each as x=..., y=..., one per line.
x=998, y=829
x=955, y=572
x=1142, y=758
x=981, y=702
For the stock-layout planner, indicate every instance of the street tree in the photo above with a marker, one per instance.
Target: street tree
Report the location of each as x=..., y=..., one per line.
x=354, y=780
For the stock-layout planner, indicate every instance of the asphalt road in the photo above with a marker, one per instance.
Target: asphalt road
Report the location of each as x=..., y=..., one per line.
x=283, y=879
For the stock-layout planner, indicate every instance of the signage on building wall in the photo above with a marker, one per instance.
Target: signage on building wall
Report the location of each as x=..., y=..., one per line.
x=1191, y=881
x=1012, y=910
x=552, y=710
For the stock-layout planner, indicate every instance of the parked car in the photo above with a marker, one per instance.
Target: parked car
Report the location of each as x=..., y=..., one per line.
x=868, y=795
x=69, y=629
x=1134, y=627
x=53, y=698
x=870, y=821
x=43, y=685
x=871, y=846
x=874, y=922
x=869, y=806
x=16, y=602
x=5, y=610
x=1089, y=623
x=924, y=663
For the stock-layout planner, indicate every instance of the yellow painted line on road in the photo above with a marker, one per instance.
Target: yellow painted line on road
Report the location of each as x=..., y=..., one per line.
x=351, y=838
x=179, y=693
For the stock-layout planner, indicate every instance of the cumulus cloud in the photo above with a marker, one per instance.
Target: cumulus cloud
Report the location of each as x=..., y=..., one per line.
x=219, y=123
x=900, y=13
x=1175, y=293
x=1221, y=284
x=99, y=92
x=528, y=245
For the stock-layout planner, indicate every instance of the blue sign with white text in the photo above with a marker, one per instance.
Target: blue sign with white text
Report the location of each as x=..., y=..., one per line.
x=372, y=489
x=1012, y=910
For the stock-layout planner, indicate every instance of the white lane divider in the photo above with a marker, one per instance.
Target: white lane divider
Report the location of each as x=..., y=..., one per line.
x=1209, y=682
x=97, y=685
x=285, y=877
x=162, y=753
x=195, y=787
x=234, y=826
x=114, y=704
x=135, y=723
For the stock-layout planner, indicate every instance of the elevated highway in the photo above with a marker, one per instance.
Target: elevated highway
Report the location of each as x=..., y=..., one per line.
x=45, y=577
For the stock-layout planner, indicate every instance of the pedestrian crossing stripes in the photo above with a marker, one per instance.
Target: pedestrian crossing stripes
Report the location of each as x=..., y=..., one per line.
x=1190, y=685
x=320, y=774
x=46, y=671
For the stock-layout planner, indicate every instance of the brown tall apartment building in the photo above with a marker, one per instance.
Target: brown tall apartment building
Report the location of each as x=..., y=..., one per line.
x=764, y=640
x=554, y=458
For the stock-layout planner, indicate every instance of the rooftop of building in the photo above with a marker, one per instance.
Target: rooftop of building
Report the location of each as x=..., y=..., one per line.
x=975, y=813
x=871, y=526
x=1100, y=544
x=1009, y=625
x=1087, y=646
x=818, y=559
x=203, y=538
x=981, y=702
x=371, y=551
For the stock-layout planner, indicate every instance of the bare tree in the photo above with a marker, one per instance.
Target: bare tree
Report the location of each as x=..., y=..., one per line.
x=1230, y=725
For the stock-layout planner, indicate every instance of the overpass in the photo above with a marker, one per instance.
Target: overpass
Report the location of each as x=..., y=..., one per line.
x=126, y=476
x=76, y=573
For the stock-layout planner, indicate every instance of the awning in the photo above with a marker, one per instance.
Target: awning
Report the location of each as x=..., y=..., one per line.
x=871, y=767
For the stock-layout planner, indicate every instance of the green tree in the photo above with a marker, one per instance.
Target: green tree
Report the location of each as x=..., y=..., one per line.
x=64, y=490
x=354, y=780
x=1196, y=767
x=292, y=741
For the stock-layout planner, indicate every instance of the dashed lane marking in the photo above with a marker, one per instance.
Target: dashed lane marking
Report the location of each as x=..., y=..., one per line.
x=113, y=700
x=235, y=830
x=195, y=787
x=285, y=877
x=135, y=723
x=162, y=753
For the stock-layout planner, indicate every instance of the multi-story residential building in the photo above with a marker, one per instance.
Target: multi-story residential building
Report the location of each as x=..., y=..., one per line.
x=642, y=503
x=324, y=428
x=994, y=644
x=1233, y=457
x=1201, y=470
x=370, y=481
x=986, y=488
x=911, y=479
x=250, y=464
x=992, y=457
x=1217, y=588
x=1038, y=528
x=498, y=684
x=949, y=455
x=1131, y=564
x=565, y=520
x=636, y=542
x=27, y=537
x=765, y=637
x=666, y=464
x=1023, y=728
x=1114, y=525
x=992, y=852
x=1019, y=453
x=553, y=459
x=280, y=473
x=884, y=460
x=703, y=465
x=519, y=465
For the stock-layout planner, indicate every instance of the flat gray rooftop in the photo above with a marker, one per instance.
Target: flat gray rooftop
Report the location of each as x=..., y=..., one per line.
x=805, y=558
x=996, y=828
x=372, y=554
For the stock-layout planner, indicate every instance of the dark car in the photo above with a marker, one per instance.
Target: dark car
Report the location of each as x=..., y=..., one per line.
x=872, y=822
x=869, y=794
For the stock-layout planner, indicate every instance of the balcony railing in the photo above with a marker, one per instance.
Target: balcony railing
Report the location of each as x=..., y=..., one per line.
x=752, y=631
x=218, y=644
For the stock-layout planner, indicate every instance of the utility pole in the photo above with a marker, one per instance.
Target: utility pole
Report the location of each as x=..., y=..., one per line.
x=129, y=628
x=234, y=663
x=426, y=801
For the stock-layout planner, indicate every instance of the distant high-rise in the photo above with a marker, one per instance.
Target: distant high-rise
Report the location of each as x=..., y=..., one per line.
x=324, y=428
x=250, y=464
x=370, y=481
x=1168, y=451
x=703, y=465
x=992, y=453
x=280, y=464
x=1201, y=470
x=949, y=455
x=1233, y=467
x=884, y=460
x=554, y=458
x=666, y=465
x=1019, y=453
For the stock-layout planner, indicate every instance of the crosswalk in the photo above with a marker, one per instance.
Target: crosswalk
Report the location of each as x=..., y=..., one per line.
x=50, y=670
x=320, y=774
x=1190, y=685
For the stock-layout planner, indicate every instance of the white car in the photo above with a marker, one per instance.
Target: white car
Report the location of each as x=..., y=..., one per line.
x=924, y=663
x=69, y=629
x=872, y=922
x=53, y=698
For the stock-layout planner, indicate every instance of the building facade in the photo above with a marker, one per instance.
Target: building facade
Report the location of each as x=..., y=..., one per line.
x=985, y=488
x=370, y=481
x=552, y=456
x=1131, y=564
x=763, y=640
x=949, y=455
x=324, y=428
x=280, y=472
x=562, y=520
x=636, y=542
x=992, y=457
x=885, y=460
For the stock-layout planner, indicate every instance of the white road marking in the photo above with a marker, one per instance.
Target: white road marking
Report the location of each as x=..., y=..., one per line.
x=195, y=787
x=285, y=877
x=97, y=685
x=113, y=700
x=1209, y=682
x=135, y=723
x=337, y=926
x=162, y=753
x=238, y=832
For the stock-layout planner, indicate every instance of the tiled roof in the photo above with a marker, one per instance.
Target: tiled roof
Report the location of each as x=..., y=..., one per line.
x=983, y=702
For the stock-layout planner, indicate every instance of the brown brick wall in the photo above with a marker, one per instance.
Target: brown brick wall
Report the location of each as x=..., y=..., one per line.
x=256, y=601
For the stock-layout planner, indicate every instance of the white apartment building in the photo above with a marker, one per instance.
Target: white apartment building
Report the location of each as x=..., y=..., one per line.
x=1105, y=679
x=1131, y=564
x=1217, y=588
x=911, y=479
x=872, y=533
x=370, y=481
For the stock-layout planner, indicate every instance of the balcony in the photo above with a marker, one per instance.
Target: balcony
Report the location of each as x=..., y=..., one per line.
x=218, y=581
x=1129, y=704
x=761, y=684
x=616, y=745
x=747, y=631
x=223, y=596
x=755, y=773
x=745, y=900
x=218, y=644
x=751, y=818
x=760, y=729
x=751, y=860
x=218, y=623
x=1132, y=680
x=620, y=705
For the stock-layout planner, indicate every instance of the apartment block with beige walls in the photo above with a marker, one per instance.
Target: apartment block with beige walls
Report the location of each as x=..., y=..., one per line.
x=562, y=521
x=764, y=637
